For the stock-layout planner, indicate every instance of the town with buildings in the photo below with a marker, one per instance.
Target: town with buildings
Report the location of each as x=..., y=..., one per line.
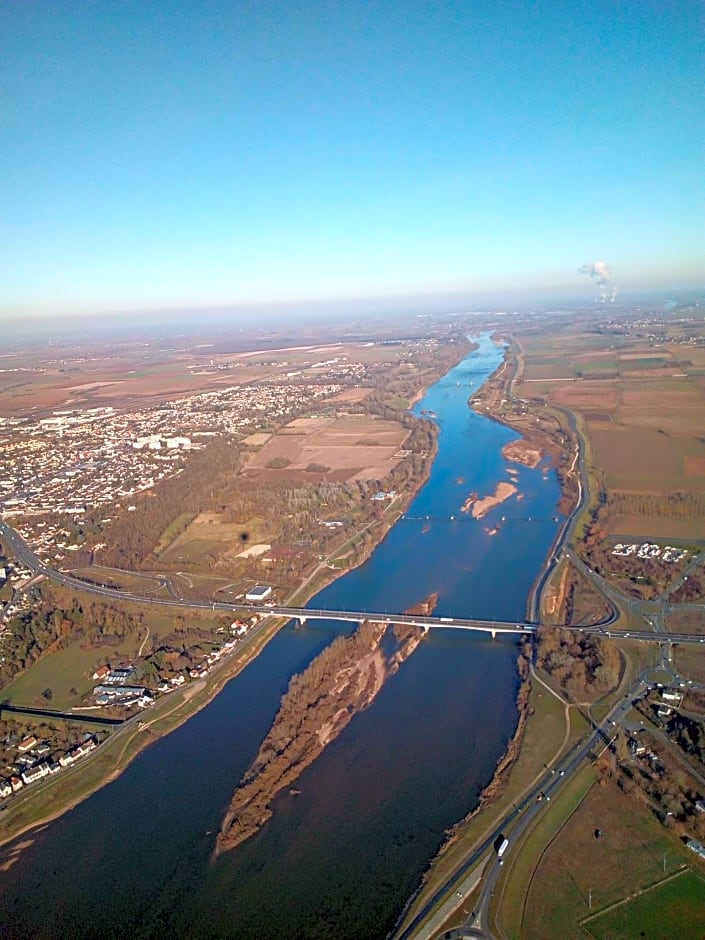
x=60, y=466
x=27, y=759
x=34, y=760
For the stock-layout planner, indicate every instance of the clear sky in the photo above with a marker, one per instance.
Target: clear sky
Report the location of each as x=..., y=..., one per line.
x=181, y=153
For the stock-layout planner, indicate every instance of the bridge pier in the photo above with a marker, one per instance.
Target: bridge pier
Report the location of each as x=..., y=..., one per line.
x=494, y=634
x=302, y=620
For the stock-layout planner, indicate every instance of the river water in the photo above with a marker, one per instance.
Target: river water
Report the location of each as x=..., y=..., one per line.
x=340, y=858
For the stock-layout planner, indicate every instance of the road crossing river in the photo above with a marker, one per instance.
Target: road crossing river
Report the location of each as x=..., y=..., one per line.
x=340, y=857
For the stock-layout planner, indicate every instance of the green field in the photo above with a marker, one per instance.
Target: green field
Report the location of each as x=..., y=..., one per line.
x=172, y=531
x=670, y=910
x=398, y=403
x=207, y=537
x=65, y=790
x=68, y=673
x=564, y=869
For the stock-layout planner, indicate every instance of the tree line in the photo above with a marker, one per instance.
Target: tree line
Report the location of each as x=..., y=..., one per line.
x=584, y=666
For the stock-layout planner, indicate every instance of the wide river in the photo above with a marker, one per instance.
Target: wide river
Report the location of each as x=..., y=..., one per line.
x=340, y=858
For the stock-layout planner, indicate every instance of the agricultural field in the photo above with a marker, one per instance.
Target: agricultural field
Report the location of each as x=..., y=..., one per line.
x=667, y=467
x=578, y=872
x=113, y=381
x=641, y=406
x=139, y=374
x=209, y=536
x=68, y=673
x=352, y=448
x=674, y=908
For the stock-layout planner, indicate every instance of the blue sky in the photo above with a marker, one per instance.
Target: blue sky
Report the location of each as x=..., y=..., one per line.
x=192, y=154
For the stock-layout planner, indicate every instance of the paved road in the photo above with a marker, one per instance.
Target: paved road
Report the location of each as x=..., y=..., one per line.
x=24, y=554
x=520, y=818
x=516, y=822
x=602, y=735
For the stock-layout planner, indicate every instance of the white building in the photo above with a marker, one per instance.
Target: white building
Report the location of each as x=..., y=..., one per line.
x=258, y=593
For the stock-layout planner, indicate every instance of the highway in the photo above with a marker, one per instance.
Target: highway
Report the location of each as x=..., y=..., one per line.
x=512, y=825
x=483, y=866
x=449, y=897
x=24, y=554
x=553, y=781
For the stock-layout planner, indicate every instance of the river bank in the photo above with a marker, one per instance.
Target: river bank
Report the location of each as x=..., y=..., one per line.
x=341, y=856
x=39, y=806
x=491, y=793
x=29, y=811
x=494, y=399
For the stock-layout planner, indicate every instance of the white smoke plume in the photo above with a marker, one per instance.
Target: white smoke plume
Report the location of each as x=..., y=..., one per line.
x=601, y=273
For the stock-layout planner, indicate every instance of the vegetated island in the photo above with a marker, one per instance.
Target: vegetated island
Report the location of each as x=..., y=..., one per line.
x=523, y=452
x=480, y=507
x=320, y=702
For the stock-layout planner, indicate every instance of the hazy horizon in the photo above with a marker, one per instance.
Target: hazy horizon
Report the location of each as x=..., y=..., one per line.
x=265, y=155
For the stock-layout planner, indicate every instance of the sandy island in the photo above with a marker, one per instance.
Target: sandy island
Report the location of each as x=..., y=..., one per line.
x=480, y=507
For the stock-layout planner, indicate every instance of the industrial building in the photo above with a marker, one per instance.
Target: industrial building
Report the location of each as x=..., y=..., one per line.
x=258, y=593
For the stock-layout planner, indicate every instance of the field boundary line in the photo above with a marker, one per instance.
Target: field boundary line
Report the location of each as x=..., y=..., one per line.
x=636, y=894
x=535, y=868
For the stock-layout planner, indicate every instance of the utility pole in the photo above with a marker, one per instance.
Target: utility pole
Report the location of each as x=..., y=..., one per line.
x=664, y=863
x=590, y=898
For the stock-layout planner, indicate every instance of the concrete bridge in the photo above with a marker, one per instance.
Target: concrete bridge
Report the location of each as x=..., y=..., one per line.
x=302, y=614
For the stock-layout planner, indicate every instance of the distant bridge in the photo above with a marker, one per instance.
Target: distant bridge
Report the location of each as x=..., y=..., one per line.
x=302, y=614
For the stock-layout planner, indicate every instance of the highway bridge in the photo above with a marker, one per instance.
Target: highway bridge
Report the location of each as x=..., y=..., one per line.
x=302, y=614
x=26, y=556
x=494, y=627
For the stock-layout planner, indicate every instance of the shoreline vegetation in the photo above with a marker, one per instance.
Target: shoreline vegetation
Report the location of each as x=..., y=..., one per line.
x=103, y=767
x=114, y=756
x=198, y=699
x=344, y=679
x=494, y=788
x=530, y=449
